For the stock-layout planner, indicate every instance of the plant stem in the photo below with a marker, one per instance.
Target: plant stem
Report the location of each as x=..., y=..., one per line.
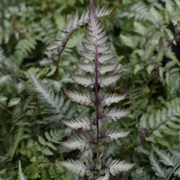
x=173, y=170
x=6, y=109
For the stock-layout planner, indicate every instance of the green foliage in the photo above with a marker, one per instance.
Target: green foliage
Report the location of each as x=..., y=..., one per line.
x=33, y=106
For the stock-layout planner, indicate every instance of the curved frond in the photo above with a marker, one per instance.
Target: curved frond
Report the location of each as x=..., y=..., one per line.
x=84, y=141
x=86, y=97
x=86, y=81
x=109, y=79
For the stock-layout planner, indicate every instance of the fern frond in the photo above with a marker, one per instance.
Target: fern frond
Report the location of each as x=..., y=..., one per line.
x=82, y=122
x=109, y=79
x=86, y=81
x=76, y=167
x=84, y=141
x=21, y=175
x=51, y=102
x=114, y=114
x=86, y=98
x=16, y=139
x=160, y=172
x=112, y=98
x=74, y=23
x=166, y=158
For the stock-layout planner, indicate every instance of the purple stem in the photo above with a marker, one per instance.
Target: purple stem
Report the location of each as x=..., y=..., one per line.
x=96, y=75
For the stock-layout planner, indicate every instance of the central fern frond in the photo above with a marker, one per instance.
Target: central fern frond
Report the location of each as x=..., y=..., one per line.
x=96, y=53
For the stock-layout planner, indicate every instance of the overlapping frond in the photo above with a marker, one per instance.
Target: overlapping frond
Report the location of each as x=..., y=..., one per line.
x=112, y=98
x=114, y=114
x=86, y=81
x=84, y=141
x=86, y=97
x=52, y=103
x=109, y=79
x=82, y=122
x=74, y=23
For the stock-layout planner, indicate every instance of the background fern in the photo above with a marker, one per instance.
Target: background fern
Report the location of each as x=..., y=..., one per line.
x=145, y=35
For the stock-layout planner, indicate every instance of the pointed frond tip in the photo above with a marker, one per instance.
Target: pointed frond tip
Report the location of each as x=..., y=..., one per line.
x=86, y=97
x=82, y=122
x=86, y=81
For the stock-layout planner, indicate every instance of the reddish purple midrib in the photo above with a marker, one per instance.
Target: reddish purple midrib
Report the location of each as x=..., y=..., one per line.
x=96, y=74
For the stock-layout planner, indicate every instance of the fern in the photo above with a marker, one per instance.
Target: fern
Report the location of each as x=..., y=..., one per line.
x=21, y=175
x=53, y=104
x=94, y=49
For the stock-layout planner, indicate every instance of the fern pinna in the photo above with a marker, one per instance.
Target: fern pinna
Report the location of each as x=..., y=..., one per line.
x=96, y=49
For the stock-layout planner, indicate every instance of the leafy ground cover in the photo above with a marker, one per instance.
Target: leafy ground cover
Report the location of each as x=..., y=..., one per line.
x=144, y=35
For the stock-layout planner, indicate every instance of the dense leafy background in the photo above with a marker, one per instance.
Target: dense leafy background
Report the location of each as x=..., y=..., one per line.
x=145, y=36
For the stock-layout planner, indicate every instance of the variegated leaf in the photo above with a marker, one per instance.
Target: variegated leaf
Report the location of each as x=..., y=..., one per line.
x=86, y=97
x=84, y=141
x=82, y=122
x=76, y=167
x=117, y=166
x=109, y=79
x=90, y=56
x=112, y=98
x=114, y=114
x=86, y=67
x=115, y=134
x=107, y=68
x=86, y=81
x=106, y=57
